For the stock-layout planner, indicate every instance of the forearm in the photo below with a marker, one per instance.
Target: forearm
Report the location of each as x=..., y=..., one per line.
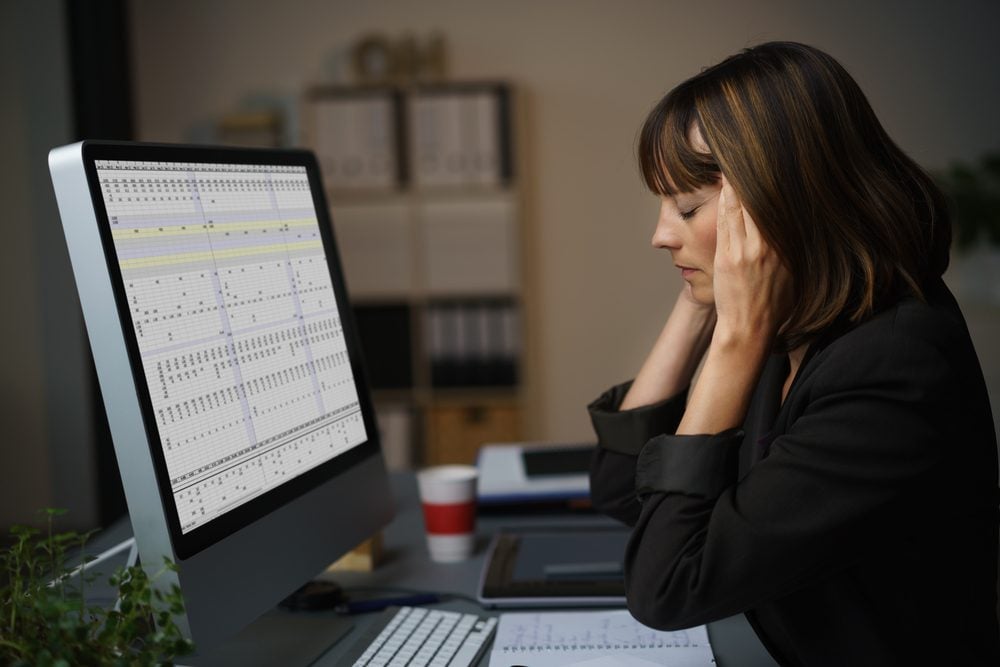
x=621, y=435
x=675, y=356
x=721, y=397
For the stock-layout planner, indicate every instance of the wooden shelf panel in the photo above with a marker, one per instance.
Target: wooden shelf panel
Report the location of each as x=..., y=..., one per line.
x=454, y=433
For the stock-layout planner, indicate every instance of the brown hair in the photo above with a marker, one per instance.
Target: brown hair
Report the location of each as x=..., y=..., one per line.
x=856, y=222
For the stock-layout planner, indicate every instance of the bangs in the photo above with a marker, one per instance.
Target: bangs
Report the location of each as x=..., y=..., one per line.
x=668, y=162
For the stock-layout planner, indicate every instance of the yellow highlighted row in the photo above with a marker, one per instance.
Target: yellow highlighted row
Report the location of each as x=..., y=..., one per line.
x=172, y=230
x=185, y=257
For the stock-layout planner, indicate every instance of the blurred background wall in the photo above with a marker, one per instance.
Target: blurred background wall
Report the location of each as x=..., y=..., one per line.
x=585, y=73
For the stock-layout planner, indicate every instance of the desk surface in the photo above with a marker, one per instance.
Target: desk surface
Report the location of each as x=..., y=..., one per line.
x=407, y=565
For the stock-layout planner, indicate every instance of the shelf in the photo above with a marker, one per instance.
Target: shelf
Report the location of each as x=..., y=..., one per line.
x=430, y=249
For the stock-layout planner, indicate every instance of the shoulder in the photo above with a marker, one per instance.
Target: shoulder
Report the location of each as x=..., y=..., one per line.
x=904, y=385
x=922, y=344
x=930, y=327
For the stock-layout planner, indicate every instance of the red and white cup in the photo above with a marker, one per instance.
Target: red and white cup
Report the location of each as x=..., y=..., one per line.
x=448, y=497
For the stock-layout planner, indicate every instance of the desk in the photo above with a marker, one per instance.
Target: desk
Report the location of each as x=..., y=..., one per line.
x=408, y=565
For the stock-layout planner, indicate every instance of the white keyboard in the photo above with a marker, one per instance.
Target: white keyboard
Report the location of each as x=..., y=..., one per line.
x=419, y=637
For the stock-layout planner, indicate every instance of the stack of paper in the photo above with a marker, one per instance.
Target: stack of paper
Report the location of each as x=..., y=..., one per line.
x=595, y=639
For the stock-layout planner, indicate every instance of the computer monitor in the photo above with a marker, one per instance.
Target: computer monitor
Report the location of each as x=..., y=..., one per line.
x=229, y=364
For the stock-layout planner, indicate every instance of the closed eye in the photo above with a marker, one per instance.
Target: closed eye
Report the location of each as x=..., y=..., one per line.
x=687, y=215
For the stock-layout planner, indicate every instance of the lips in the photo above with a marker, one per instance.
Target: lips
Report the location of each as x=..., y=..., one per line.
x=686, y=271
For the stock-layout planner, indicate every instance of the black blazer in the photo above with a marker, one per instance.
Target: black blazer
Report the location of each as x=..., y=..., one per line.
x=854, y=524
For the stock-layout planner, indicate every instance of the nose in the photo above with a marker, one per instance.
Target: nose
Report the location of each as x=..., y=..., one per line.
x=666, y=234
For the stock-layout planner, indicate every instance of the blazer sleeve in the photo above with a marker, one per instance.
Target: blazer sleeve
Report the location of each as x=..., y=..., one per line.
x=871, y=424
x=621, y=434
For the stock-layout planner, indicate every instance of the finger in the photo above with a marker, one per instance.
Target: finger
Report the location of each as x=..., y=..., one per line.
x=753, y=236
x=722, y=240
x=731, y=213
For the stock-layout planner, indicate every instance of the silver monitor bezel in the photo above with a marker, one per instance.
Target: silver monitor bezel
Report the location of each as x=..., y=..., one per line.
x=293, y=531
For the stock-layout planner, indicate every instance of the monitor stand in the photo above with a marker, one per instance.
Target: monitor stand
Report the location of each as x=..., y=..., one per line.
x=277, y=637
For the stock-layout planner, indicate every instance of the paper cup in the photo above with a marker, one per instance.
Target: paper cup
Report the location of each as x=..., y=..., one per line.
x=448, y=498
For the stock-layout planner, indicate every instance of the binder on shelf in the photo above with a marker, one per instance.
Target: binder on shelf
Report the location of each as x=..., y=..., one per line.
x=472, y=343
x=384, y=330
x=480, y=344
x=395, y=427
x=460, y=135
x=510, y=346
x=357, y=134
x=443, y=351
x=498, y=360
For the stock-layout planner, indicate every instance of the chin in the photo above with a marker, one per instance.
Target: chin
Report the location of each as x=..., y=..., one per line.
x=704, y=296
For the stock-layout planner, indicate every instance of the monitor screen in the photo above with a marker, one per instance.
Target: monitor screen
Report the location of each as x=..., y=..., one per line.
x=236, y=323
x=229, y=364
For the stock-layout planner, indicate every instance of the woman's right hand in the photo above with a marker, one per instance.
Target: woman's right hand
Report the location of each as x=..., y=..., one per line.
x=697, y=307
x=696, y=316
x=676, y=354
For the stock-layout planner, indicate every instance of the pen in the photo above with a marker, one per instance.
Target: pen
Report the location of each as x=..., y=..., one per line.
x=378, y=604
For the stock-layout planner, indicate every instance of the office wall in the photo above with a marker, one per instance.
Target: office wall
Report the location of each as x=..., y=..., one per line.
x=587, y=72
x=46, y=434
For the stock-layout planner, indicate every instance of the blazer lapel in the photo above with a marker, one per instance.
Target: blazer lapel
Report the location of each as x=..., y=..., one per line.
x=767, y=418
x=759, y=426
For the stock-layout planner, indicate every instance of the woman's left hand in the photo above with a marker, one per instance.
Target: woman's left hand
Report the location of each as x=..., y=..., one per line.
x=752, y=291
x=752, y=287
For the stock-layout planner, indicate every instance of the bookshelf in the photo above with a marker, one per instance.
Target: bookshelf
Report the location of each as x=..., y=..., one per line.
x=426, y=213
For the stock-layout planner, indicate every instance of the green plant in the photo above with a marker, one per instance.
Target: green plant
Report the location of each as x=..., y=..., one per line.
x=974, y=194
x=45, y=618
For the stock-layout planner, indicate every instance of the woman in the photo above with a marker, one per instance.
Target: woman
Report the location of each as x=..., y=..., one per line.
x=832, y=473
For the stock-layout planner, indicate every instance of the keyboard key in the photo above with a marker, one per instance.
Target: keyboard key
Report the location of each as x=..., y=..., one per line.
x=420, y=637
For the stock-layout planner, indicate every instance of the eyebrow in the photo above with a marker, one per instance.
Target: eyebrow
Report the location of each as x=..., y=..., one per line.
x=700, y=200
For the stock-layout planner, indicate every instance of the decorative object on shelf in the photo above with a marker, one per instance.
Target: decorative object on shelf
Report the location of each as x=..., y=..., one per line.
x=46, y=618
x=379, y=60
x=258, y=129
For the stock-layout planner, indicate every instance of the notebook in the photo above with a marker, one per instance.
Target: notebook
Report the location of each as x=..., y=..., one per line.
x=594, y=639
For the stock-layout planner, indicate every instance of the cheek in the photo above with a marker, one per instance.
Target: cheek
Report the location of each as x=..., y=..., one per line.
x=710, y=237
x=705, y=234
